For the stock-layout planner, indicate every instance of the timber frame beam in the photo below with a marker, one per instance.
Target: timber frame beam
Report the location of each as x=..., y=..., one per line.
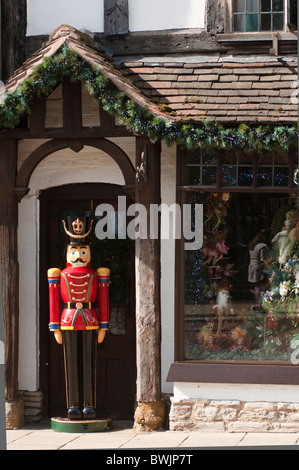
x=10, y=267
x=148, y=309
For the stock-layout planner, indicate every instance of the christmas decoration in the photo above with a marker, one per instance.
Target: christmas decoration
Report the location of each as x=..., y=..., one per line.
x=78, y=327
x=204, y=135
x=277, y=316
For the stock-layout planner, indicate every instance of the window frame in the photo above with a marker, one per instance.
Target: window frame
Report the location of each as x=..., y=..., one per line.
x=259, y=13
x=228, y=23
x=215, y=371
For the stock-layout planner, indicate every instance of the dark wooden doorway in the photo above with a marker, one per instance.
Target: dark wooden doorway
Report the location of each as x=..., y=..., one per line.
x=116, y=358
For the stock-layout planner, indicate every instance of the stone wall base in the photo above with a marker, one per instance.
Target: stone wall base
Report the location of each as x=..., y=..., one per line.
x=233, y=416
x=33, y=405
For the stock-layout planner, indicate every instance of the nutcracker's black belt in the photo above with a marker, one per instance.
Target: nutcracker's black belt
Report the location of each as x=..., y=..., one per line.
x=80, y=305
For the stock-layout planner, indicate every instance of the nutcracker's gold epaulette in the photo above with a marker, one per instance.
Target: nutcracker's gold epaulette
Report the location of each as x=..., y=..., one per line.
x=54, y=272
x=105, y=272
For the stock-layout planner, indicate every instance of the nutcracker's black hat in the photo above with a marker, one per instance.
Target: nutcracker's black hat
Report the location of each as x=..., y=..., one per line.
x=78, y=230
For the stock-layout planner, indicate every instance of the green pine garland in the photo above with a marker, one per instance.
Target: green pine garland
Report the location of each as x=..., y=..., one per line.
x=205, y=135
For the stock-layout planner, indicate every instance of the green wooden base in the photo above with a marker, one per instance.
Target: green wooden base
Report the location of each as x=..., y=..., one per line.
x=66, y=425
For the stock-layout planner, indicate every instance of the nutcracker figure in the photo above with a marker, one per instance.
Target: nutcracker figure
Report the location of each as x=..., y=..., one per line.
x=79, y=326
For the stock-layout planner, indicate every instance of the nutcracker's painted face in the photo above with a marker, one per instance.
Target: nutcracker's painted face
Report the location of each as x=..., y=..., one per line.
x=78, y=255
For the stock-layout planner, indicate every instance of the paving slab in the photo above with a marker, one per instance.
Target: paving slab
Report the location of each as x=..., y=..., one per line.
x=213, y=439
x=156, y=440
x=40, y=436
x=270, y=439
x=109, y=440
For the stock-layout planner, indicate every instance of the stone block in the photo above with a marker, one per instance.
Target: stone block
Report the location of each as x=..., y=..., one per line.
x=150, y=416
x=14, y=411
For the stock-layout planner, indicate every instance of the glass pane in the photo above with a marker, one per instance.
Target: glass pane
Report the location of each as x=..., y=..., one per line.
x=252, y=6
x=252, y=22
x=118, y=320
x=293, y=15
x=264, y=176
x=194, y=157
x=239, y=6
x=266, y=22
x=193, y=175
x=239, y=23
x=238, y=303
x=281, y=176
x=229, y=175
x=209, y=175
x=278, y=5
x=245, y=176
x=278, y=21
x=265, y=5
x=209, y=158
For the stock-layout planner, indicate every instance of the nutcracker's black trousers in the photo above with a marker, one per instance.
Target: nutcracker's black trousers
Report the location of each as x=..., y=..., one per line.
x=80, y=347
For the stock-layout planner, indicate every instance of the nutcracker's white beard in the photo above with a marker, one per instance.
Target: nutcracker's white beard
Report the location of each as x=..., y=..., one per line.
x=222, y=299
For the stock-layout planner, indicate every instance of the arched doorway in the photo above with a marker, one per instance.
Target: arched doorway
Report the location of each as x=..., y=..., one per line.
x=116, y=366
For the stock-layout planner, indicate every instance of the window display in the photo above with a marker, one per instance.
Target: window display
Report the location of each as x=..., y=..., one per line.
x=241, y=295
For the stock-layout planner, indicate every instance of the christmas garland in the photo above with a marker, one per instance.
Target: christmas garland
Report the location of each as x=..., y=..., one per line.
x=205, y=135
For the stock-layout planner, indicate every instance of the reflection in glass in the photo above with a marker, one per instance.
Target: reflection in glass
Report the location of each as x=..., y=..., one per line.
x=245, y=176
x=209, y=158
x=265, y=5
x=117, y=320
x=193, y=175
x=209, y=175
x=252, y=22
x=239, y=5
x=278, y=5
x=252, y=6
x=239, y=23
x=281, y=177
x=266, y=22
x=278, y=21
x=265, y=176
x=229, y=175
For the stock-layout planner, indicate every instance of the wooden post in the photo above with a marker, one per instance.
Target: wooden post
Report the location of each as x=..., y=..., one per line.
x=10, y=270
x=116, y=16
x=13, y=35
x=150, y=413
x=72, y=106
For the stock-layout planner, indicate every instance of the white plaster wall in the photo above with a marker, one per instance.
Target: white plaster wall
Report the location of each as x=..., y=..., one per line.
x=159, y=15
x=168, y=196
x=29, y=319
x=63, y=167
x=43, y=16
x=241, y=392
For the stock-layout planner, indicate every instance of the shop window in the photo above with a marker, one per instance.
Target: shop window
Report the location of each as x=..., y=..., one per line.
x=264, y=15
x=240, y=293
x=216, y=169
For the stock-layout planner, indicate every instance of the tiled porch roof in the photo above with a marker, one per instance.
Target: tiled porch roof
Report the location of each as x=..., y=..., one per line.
x=259, y=90
x=89, y=51
x=188, y=88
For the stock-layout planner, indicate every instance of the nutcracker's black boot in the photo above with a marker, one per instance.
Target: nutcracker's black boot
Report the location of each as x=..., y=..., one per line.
x=89, y=412
x=74, y=413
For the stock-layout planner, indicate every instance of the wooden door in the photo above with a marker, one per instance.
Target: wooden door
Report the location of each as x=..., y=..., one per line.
x=116, y=358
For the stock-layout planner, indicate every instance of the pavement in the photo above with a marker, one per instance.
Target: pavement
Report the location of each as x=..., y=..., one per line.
x=122, y=436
